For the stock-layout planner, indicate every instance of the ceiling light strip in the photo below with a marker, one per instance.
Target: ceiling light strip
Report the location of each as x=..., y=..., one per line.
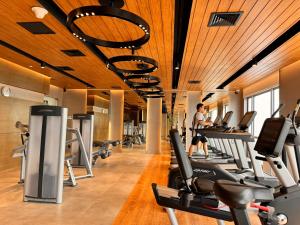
x=207, y=96
x=181, y=24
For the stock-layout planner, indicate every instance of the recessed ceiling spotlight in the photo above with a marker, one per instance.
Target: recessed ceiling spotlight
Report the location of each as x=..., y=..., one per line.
x=43, y=65
x=254, y=63
x=30, y=66
x=194, y=81
x=177, y=66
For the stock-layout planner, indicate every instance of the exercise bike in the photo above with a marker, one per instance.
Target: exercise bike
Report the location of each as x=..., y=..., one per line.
x=277, y=206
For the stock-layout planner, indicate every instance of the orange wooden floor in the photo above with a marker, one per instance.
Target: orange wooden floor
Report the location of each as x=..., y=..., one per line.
x=141, y=208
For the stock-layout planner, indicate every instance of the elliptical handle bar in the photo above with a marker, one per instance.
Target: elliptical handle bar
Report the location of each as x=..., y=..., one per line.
x=277, y=110
x=295, y=112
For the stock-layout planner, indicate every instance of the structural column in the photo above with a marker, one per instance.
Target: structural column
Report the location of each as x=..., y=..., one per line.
x=236, y=104
x=144, y=114
x=116, y=114
x=180, y=121
x=154, y=123
x=193, y=98
x=164, y=127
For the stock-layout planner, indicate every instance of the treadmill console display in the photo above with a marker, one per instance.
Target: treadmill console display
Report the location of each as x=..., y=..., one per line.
x=227, y=117
x=272, y=137
x=247, y=120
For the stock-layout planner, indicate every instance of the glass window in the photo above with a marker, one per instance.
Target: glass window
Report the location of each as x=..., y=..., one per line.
x=213, y=114
x=276, y=100
x=262, y=105
x=249, y=104
x=225, y=110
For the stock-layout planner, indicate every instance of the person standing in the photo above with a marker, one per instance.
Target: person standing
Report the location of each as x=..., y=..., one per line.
x=198, y=123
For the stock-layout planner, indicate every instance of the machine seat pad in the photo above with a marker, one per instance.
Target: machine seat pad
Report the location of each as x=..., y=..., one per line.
x=102, y=144
x=237, y=195
x=99, y=143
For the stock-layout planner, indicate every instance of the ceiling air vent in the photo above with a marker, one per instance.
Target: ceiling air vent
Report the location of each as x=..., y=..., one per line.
x=224, y=18
x=36, y=27
x=73, y=52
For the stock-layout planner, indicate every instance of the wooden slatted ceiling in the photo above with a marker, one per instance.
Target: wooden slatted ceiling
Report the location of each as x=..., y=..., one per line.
x=56, y=78
x=159, y=15
x=48, y=47
x=283, y=56
x=212, y=54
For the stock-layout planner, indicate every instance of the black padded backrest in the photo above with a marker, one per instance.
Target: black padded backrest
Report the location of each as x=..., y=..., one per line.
x=272, y=136
x=227, y=118
x=184, y=163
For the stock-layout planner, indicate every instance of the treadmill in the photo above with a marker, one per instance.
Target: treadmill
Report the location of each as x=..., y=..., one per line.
x=216, y=126
x=242, y=144
x=217, y=139
x=215, y=142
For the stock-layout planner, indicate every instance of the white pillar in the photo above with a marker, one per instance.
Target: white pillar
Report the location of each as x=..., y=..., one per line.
x=154, y=123
x=164, y=127
x=116, y=115
x=144, y=114
x=193, y=98
x=236, y=104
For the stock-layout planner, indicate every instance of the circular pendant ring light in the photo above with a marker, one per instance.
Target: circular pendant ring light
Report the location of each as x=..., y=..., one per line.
x=145, y=81
x=135, y=58
x=110, y=12
x=154, y=91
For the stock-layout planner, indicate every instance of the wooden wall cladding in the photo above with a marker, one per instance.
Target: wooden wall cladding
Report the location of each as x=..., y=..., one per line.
x=18, y=76
x=11, y=111
x=101, y=121
x=75, y=101
x=94, y=100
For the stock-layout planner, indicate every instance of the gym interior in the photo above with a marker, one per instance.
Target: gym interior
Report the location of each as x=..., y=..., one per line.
x=149, y=112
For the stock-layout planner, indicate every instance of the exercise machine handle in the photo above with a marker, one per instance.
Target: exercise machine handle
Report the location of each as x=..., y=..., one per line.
x=277, y=110
x=295, y=112
x=260, y=158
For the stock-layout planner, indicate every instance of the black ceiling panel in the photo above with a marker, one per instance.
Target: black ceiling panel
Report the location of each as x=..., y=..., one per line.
x=67, y=68
x=36, y=27
x=73, y=52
